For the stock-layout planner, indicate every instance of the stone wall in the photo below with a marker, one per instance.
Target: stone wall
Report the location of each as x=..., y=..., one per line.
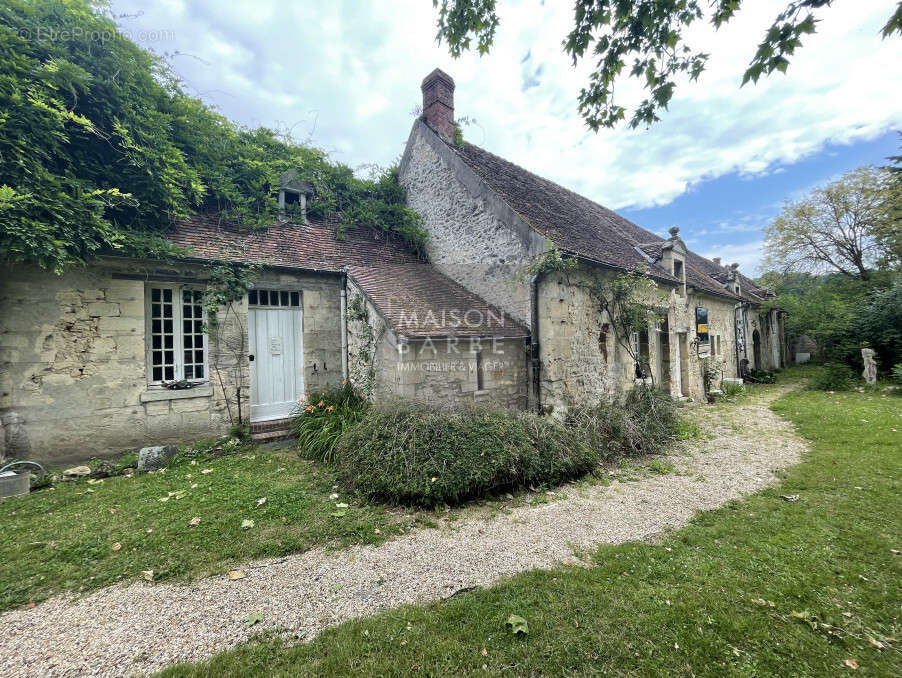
x=437, y=370
x=73, y=359
x=582, y=358
x=475, y=238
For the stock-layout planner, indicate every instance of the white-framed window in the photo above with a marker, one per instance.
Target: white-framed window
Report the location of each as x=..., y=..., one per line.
x=176, y=343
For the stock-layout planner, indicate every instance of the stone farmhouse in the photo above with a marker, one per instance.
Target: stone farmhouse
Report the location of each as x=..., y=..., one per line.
x=89, y=359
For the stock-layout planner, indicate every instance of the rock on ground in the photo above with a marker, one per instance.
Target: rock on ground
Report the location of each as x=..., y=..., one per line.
x=141, y=627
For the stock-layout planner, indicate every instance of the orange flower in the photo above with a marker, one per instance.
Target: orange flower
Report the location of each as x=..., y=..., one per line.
x=330, y=408
x=308, y=409
x=320, y=403
x=300, y=400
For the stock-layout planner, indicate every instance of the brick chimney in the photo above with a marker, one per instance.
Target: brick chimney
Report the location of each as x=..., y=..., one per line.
x=438, y=102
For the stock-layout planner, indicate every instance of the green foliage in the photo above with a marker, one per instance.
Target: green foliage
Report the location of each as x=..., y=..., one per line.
x=839, y=227
x=761, y=377
x=414, y=453
x=737, y=572
x=644, y=39
x=833, y=377
x=710, y=373
x=60, y=540
x=897, y=373
x=101, y=149
x=640, y=422
x=732, y=390
x=550, y=261
x=628, y=301
x=323, y=417
x=881, y=323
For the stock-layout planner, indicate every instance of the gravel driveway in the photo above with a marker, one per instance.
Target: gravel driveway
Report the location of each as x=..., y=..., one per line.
x=141, y=627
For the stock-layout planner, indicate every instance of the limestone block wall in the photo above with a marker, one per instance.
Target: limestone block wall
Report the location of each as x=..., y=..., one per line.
x=474, y=237
x=441, y=370
x=446, y=371
x=582, y=358
x=73, y=360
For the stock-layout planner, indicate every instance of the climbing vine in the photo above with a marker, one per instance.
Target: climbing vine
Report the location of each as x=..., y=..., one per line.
x=550, y=261
x=364, y=357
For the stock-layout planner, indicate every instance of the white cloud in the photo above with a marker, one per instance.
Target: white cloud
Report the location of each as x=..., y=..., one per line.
x=347, y=75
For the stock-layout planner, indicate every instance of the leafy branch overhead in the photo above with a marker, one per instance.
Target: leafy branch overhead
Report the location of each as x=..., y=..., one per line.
x=101, y=149
x=645, y=38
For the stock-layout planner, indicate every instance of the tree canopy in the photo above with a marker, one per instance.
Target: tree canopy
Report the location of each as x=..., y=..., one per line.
x=845, y=226
x=645, y=38
x=101, y=149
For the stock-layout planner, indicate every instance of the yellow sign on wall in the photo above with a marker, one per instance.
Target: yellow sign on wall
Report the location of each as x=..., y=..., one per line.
x=702, y=328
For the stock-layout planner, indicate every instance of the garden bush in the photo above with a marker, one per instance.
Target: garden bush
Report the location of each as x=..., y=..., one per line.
x=897, y=373
x=833, y=377
x=323, y=417
x=415, y=453
x=637, y=423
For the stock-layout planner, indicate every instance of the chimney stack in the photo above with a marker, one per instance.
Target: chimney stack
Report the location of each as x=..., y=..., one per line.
x=438, y=102
x=716, y=260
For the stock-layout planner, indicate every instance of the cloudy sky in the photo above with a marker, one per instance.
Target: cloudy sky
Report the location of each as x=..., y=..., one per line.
x=345, y=76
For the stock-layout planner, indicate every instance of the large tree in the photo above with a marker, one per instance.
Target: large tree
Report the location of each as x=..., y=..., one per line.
x=839, y=227
x=646, y=38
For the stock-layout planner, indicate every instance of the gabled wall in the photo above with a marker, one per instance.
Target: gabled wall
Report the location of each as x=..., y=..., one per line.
x=475, y=238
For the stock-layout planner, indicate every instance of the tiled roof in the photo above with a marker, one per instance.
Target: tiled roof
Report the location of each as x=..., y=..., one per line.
x=418, y=301
x=581, y=226
x=415, y=299
x=314, y=246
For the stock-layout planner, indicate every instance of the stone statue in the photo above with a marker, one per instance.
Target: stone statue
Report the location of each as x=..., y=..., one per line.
x=870, y=366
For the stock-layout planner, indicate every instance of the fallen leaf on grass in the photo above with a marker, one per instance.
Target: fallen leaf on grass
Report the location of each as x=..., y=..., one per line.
x=207, y=470
x=789, y=497
x=194, y=522
x=876, y=643
x=517, y=624
x=247, y=524
x=334, y=495
x=338, y=514
x=261, y=501
x=193, y=486
x=851, y=663
x=253, y=619
x=236, y=574
x=117, y=546
x=147, y=574
x=484, y=653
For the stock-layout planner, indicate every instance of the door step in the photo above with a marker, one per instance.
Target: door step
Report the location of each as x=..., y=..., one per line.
x=267, y=431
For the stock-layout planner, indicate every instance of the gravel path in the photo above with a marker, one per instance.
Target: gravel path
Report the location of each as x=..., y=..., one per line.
x=140, y=627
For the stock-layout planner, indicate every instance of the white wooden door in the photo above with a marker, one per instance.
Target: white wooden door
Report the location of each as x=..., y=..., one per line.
x=276, y=343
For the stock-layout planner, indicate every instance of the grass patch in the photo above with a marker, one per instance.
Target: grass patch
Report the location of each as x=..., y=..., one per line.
x=760, y=587
x=65, y=539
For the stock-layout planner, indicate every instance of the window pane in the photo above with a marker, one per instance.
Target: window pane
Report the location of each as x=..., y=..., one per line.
x=168, y=341
x=198, y=371
x=198, y=326
x=264, y=298
x=186, y=311
x=157, y=357
x=167, y=295
x=170, y=373
x=284, y=296
x=295, y=299
x=155, y=309
x=157, y=341
x=157, y=373
x=155, y=294
x=186, y=296
x=199, y=356
x=189, y=371
x=252, y=298
x=169, y=357
x=156, y=327
x=187, y=358
x=189, y=338
x=167, y=326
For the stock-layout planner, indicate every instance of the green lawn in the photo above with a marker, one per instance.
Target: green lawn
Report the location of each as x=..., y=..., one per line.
x=760, y=587
x=83, y=535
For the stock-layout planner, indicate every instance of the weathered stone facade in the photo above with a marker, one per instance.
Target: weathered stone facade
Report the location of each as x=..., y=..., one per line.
x=73, y=358
x=475, y=238
x=440, y=370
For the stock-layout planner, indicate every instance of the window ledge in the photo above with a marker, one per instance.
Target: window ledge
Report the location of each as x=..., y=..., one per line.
x=153, y=394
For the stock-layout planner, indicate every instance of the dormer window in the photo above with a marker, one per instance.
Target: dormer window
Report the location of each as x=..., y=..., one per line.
x=293, y=196
x=678, y=271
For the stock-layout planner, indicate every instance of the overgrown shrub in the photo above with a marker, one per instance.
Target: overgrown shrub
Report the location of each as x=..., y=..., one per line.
x=761, y=377
x=833, y=377
x=897, y=373
x=416, y=453
x=324, y=416
x=732, y=389
x=637, y=423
